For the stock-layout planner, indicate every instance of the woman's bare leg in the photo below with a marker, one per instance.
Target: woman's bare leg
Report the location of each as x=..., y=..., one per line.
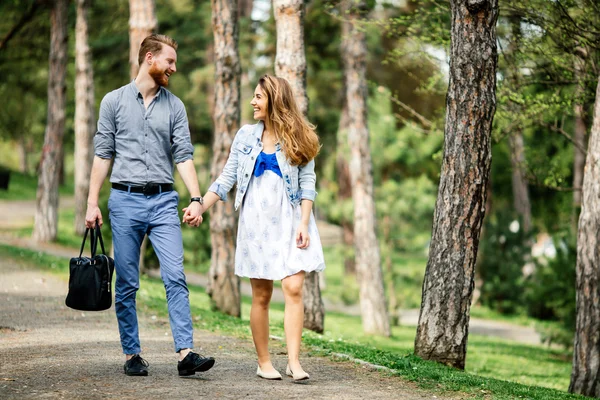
x=294, y=317
x=262, y=290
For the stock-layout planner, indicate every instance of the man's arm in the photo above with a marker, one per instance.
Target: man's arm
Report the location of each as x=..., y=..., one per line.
x=100, y=169
x=192, y=213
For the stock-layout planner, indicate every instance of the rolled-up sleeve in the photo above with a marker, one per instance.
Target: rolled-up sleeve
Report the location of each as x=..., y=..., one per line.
x=104, y=139
x=223, y=184
x=181, y=142
x=307, y=180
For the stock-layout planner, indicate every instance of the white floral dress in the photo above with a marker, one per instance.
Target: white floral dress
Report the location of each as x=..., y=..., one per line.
x=266, y=239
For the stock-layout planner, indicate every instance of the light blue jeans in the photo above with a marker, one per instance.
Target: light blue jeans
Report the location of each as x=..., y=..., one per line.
x=132, y=215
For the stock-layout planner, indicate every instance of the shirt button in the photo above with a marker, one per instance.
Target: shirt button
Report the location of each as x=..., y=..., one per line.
x=252, y=158
x=146, y=151
x=246, y=175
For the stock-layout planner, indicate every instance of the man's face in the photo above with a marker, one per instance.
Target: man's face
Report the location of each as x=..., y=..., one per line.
x=163, y=65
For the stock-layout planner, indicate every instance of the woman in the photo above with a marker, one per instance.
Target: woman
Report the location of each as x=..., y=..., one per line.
x=272, y=163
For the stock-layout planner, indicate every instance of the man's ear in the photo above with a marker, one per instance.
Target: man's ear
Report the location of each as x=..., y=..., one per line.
x=149, y=58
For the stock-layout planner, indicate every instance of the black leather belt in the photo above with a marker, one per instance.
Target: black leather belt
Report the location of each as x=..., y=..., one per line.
x=148, y=189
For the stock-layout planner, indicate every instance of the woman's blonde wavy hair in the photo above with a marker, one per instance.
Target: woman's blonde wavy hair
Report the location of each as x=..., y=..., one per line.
x=297, y=136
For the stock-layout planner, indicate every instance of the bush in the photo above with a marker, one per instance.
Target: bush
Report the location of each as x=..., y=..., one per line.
x=503, y=254
x=550, y=291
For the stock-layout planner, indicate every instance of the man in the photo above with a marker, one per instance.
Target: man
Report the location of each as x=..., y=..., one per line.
x=144, y=127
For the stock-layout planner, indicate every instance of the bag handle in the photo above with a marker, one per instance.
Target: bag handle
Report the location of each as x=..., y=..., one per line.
x=95, y=234
x=83, y=242
x=99, y=236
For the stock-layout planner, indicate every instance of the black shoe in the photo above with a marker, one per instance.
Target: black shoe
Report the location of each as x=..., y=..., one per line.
x=193, y=363
x=136, y=366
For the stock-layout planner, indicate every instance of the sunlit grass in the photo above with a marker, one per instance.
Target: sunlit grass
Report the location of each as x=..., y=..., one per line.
x=24, y=187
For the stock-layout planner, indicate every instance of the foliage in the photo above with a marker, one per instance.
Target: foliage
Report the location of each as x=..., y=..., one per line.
x=502, y=258
x=550, y=292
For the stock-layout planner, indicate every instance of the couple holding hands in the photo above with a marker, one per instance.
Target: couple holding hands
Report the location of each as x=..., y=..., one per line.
x=144, y=128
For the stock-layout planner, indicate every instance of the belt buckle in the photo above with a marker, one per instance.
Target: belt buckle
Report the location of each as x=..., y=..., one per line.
x=149, y=188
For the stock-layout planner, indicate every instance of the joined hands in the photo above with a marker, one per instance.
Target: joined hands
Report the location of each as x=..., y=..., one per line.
x=192, y=214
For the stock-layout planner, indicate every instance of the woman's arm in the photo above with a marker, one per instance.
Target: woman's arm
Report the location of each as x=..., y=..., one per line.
x=302, y=236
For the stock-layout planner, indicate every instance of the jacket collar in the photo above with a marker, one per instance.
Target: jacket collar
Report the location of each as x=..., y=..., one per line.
x=258, y=131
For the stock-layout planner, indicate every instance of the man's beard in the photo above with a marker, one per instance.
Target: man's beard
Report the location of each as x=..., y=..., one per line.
x=158, y=75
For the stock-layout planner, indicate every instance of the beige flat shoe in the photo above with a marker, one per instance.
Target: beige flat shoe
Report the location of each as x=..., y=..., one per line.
x=268, y=375
x=301, y=376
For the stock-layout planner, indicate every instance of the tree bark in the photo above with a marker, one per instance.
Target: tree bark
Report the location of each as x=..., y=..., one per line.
x=245, y=8
x=23, y=154
x=345, y=187
x=290, y=60
x=442, y=331
x=314, y=314
x=84, y=114
x=375, y=318
x=142, y=21
x=223, y=284
x=290, y=64
x=520, y=189
x=46, y=215
x=585, y=375
x=579, y=135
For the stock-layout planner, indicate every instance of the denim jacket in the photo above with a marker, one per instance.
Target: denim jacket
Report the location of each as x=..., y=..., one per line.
x=300, y=181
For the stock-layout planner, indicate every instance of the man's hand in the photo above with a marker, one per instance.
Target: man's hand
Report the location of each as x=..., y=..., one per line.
x=192, y=214
x=92, y=214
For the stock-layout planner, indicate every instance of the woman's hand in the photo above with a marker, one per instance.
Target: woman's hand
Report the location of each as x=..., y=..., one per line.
x=192, y=214
x=302, y=237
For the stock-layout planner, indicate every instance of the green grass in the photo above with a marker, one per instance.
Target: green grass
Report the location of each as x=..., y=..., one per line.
x=496, y=369
x=24, y=187
x=343, y=288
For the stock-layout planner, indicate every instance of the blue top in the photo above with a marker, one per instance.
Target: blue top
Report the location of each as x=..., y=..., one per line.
x=266, y=162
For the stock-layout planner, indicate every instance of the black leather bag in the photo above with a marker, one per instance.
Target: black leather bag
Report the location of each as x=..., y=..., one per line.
x=90, y=278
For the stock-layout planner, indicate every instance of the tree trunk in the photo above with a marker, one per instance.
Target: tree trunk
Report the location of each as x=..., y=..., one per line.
x=290, y=60
x=23, y=152
x=245, y=8
x=443, y=327
x=223, y=284
x=374, y=312
x=345, y=188
x=585, y=375
x=84, y=114
x=579, y=136
x=142, y=21
x=393, y=306
x=314, y=314
x=290, y=64
x=46, y=214
x=520, y=189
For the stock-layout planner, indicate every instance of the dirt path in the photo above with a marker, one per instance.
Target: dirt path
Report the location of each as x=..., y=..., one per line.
x=48, y=351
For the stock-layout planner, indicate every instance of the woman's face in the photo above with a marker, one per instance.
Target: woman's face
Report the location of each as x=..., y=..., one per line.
x=259, y=103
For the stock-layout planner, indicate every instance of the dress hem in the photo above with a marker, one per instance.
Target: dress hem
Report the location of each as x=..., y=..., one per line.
x=319, y=268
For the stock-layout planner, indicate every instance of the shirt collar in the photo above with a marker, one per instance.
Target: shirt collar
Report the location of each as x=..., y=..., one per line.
x=138, y=94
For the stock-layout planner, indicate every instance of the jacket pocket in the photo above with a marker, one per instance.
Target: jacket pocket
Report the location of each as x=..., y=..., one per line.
x=244, y=148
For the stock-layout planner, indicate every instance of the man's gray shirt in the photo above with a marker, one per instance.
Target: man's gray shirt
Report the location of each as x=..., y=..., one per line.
x=144, y=142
